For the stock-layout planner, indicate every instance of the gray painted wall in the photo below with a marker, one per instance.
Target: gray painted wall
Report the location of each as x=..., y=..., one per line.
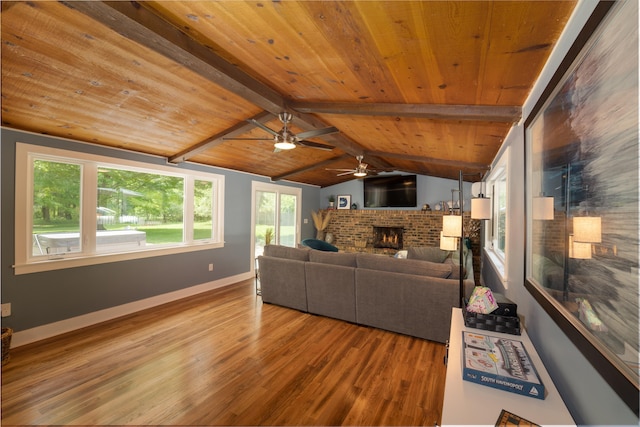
x=42, y=298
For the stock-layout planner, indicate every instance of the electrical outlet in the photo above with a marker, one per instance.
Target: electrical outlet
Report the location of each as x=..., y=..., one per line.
x=211, y=267
x=6, y=309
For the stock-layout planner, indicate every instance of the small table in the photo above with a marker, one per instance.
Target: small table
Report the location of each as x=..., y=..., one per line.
x=467, y=403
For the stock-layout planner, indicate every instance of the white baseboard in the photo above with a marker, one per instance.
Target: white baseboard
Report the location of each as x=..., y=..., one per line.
x=38, y=333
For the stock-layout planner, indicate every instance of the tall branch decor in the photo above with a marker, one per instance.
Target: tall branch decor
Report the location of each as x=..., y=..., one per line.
x=320, y=222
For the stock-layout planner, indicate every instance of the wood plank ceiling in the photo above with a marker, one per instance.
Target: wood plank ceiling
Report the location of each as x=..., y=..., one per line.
x=428, y=87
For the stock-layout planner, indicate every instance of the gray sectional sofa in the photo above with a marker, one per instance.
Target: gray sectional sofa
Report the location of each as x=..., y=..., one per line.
x=410, y=296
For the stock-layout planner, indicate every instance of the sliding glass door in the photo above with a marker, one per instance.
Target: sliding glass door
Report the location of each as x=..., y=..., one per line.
x=276, y=215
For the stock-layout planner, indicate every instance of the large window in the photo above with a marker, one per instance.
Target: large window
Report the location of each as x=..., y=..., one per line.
x=496, y=235
x=77, y=209
x=499, y=238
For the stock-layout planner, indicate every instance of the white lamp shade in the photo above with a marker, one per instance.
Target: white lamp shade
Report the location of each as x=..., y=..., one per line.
x=448, y=243
x=579, y=250
x=480, y=208
x=452, y=225
x=587, y=229
x=476, y=189
x=542, y=208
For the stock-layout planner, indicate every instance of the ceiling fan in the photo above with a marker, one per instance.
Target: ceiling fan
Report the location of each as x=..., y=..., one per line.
x=360, y=170
x=286, y=140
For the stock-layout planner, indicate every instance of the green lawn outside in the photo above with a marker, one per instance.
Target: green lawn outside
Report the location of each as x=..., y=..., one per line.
x=156, y=234
x=163, y=233
x=286, y=236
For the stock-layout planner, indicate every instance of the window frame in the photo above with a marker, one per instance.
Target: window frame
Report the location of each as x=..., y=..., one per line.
x=26, y=263
x=278, y=189
x=498, y=257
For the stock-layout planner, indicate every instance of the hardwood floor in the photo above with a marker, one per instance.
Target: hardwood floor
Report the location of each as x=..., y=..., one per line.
x=224, y=358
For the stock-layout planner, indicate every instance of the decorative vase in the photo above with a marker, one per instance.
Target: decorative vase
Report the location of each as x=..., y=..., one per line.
x=328, y=238
x=320, y=235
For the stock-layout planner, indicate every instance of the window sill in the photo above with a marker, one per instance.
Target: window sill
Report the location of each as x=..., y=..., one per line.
x=81, y=261
x=498, y=265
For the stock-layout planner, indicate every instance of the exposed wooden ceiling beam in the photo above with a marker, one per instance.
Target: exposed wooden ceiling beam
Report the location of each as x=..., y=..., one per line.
x=308, y=168
x=429, y=160
x=6, y=5
x=141, y=25
x=340, y=141
x=506, y=114
x=217, y=139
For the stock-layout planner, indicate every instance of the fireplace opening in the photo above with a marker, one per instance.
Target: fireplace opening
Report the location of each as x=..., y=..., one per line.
x=387, y=237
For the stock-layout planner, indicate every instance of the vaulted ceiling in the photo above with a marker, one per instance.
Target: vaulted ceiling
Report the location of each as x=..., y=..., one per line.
x=428, y=87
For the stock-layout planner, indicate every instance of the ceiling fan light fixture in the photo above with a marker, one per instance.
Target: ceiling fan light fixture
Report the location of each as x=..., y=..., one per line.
x=361, y=169
x=284, y=145
x=284, y=141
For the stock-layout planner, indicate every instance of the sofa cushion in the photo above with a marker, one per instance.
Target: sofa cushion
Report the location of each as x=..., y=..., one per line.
x=287, y=252
x=335, y=258
x=427, y=253
x=283, y=282
x=331, y=290
x=407, y=266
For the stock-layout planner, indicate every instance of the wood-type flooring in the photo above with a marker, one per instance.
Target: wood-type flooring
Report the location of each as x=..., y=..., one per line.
x=225, y=358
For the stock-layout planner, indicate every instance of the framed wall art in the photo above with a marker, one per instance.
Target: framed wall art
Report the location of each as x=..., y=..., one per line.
x=344, y=201
x=582, y=197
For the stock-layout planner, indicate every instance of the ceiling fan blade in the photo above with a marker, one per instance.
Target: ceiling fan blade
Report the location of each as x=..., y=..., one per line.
x=247, y=139
x=345, y=173
x=263, y=127
x=317, y=132
x=317, y=145
x=382, y=170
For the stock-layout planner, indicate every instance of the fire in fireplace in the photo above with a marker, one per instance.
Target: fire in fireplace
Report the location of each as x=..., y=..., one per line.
x=387, y=237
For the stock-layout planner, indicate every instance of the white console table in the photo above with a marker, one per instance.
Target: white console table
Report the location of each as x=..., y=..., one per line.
x=467, y=403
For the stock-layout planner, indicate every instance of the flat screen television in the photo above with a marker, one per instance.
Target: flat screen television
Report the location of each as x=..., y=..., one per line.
x=390, y=191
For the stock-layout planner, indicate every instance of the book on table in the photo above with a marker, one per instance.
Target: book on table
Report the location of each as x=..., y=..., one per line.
x=509, y=419
x=501, y=363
